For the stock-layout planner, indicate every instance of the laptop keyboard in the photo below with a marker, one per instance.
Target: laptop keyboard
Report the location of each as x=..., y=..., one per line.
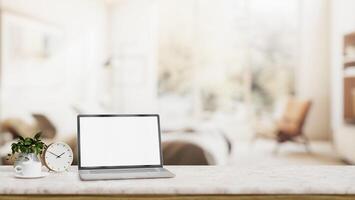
x=105, y=171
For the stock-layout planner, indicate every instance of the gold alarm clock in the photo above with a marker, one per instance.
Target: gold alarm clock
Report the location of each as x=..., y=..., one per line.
x=58, y=157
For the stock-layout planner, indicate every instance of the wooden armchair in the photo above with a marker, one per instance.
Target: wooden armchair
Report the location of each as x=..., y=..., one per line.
x=290, y=126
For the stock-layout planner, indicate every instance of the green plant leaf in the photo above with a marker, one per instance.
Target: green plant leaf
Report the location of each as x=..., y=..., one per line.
x=23, y=149
x=13, y=149
x=38, y=135
x=28, y=145
x=28, y=141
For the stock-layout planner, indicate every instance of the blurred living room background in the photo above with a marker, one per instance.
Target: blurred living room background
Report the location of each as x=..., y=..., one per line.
x=236, y=82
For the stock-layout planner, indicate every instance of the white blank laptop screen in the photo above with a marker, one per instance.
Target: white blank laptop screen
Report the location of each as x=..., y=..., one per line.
x=119, y=141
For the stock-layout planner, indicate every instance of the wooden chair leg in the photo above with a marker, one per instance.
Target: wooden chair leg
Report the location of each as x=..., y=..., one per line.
x=306, y=144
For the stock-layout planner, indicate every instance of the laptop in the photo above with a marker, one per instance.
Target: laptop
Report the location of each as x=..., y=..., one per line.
x=120, y=147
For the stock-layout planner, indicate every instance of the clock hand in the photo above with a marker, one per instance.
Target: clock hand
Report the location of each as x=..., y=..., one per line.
x=60, y=155
x=53, y=153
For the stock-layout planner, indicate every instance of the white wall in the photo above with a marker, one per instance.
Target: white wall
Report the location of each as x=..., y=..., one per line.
x=70, y=76
x=312, y=75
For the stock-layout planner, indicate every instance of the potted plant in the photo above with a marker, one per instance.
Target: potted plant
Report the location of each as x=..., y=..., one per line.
x=28, y=149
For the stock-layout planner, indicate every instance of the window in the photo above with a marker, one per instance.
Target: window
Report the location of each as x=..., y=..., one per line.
x=218, y=56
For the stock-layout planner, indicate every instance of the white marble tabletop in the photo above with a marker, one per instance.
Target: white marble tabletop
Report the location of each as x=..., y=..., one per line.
x=196, y=180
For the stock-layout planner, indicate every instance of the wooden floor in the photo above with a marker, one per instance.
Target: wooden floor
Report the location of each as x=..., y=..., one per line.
x=180, y=197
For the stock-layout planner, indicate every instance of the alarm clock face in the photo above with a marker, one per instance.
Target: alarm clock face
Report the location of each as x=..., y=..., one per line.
x=58, y=157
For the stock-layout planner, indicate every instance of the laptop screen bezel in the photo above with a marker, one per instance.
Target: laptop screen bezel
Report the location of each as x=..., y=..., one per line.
x=117, y=167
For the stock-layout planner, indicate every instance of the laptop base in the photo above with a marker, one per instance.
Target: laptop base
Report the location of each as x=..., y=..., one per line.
x=113, y=174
